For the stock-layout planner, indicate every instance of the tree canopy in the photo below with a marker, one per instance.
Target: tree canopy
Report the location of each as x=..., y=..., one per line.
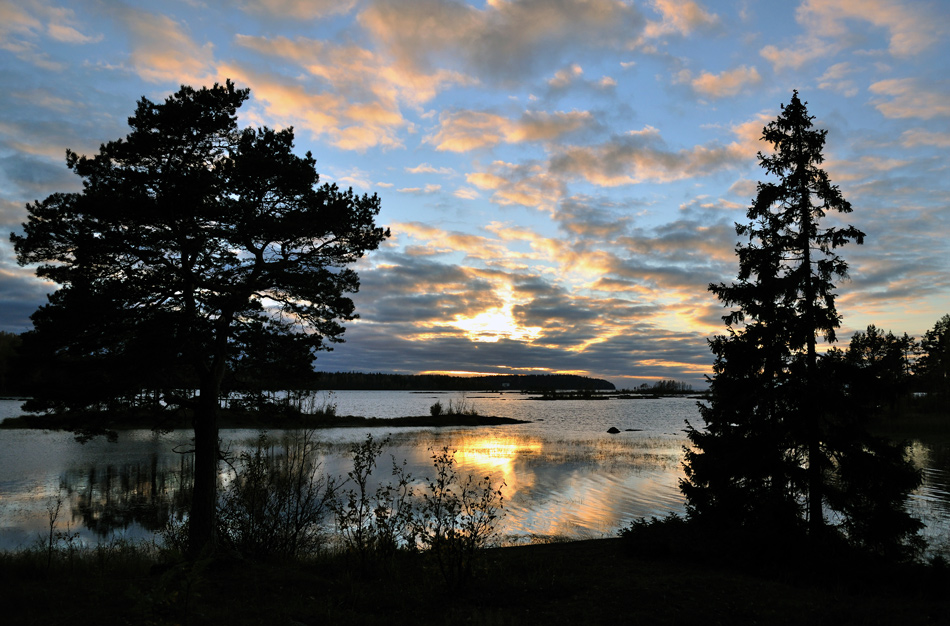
x=933, y=366
x=193, y=248
x=778, y=443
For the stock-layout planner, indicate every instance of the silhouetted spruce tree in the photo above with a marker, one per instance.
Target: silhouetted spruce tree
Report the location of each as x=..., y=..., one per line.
x=771, y=448
x=189, y=239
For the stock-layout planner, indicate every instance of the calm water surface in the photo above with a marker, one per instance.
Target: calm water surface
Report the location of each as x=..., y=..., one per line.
x=564, y=475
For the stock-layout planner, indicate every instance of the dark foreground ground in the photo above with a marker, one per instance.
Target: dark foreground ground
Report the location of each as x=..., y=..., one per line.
x=586, y=582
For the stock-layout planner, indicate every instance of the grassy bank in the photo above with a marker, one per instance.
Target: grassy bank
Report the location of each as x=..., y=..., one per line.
x=585, y=582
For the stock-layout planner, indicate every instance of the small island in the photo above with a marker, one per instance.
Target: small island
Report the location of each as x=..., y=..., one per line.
x=252, y=419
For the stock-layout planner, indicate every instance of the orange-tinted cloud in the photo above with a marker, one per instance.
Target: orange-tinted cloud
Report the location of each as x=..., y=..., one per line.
x=910, y=29
x=164, y=51
x=296, y=9
x=462, y=131
x=680, y=17
x=503, y=40
x=909, y=98
x=726, y=83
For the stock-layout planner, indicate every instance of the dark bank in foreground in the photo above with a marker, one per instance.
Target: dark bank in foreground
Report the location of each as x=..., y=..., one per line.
x=601, y=581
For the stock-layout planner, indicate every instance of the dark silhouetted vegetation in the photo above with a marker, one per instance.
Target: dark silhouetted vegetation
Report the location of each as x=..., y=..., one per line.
x=783, y=442
x=196, y=253
x=12, y=375
x=417, y=552
x=932, y=369
x=440, y=382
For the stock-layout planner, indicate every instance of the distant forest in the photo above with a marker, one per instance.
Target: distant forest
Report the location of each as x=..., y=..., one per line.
x=23, y=376
x=438, y=382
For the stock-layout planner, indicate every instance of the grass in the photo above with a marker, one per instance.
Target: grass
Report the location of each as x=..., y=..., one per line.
x=585, y=582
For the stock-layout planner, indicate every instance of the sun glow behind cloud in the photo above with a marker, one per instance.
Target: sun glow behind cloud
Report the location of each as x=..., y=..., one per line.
x=496, y=323
x=561, y=178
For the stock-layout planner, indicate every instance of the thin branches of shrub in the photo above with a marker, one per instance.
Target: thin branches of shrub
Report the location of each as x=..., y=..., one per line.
x=279, y=499
x=375, y=524
x=458, y=517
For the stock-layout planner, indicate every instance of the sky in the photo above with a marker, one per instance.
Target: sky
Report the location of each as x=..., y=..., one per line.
x=561, y=177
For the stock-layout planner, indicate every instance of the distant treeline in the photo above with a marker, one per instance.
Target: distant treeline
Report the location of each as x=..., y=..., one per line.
x=440, y=382
x=668, y=387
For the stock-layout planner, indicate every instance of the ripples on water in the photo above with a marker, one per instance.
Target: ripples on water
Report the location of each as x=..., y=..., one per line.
x=564, y=475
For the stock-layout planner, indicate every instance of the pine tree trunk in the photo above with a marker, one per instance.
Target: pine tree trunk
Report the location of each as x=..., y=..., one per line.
x=201, y=520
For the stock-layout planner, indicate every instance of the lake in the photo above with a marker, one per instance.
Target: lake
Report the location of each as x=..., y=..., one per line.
x=564, y=475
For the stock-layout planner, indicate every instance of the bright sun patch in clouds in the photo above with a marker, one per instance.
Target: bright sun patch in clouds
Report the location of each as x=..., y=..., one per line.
x=495, y=324
x=561, y=179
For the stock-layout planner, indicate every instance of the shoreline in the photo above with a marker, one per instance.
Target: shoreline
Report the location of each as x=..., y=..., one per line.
x=269, y=421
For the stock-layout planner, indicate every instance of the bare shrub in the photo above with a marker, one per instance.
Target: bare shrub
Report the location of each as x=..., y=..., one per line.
x=277, y=503
x=458, y=517
x=374, y=524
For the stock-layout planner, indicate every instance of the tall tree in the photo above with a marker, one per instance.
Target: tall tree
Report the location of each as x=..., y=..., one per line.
x=188, y=235
x=762, y=458
x=933, y=366
x=879, y=365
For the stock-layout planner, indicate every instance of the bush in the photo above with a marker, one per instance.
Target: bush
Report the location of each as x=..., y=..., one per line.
x=436, y=409
x=458, y=518
x=655, y=537
x=374, y=526
x=278, y=500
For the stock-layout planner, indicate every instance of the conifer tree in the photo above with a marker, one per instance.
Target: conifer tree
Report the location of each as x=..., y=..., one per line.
x=190, y=239
x=771, y=447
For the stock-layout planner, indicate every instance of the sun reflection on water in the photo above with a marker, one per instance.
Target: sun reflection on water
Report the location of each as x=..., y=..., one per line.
x=497, y=456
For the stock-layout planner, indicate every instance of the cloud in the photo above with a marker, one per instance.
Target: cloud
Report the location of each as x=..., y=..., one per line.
x=361, y=92
x=909, y=98
x=296, y=9
x=640, y=156
x=864, y=167
x=420, y=315
x=835, y=79
x=163, y=51
x=806, y=49
x=23, y=25
x=526, y=184
x=565, y=76
x=466, y=193
x=461, y=131
x=505, y=40
x=324, y=113
x=63, y=26
x=22, y=292
x=726, y=83
x=356, y=72
x=417, y=191
x=922, y=137
x=911, y=30
x=679, y=17
x=425, y=168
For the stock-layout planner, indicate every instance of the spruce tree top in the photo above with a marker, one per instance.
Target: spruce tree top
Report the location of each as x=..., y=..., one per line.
x=788, y=262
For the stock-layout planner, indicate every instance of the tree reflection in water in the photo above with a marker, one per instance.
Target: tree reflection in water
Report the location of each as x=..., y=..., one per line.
x=574, y=487
x=114, y=497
